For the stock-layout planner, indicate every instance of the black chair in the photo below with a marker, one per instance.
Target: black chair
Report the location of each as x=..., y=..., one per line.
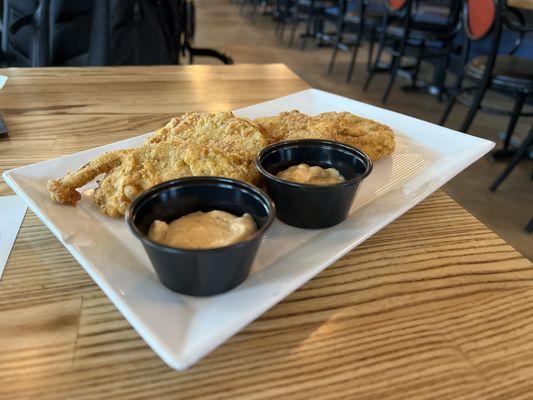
x=254, y=7
x=507, y=74
x=429, y=40
x=313, y=14
x=352, y=26
x=69, y=32
x=529, y=226
x=25, y=33
x=283, y=14
x=521, y=154
x=186, y=26
x=39, y=33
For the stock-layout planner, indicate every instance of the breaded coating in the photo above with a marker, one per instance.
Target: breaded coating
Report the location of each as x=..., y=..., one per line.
x=130, y=172
x=212, y=144
x=240, y=137
x=277, y=127
x=375, y=139
x=193, y=144
x=63, y=190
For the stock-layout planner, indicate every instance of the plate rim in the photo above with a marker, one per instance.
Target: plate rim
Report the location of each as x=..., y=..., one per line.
x=182, y=361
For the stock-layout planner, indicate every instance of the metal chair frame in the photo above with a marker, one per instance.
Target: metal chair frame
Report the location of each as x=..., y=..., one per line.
x=311, y=18
x=520, y=155
x=399, y=46
x=284, y=10
x=362, y=28
x=501, y=20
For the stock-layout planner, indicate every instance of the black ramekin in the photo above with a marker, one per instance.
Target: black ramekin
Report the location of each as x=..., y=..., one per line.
x=312, y=206
x=200, y=272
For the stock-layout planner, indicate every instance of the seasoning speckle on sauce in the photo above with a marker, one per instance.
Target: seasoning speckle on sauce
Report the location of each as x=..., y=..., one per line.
x=315, y=175
x=203, y=230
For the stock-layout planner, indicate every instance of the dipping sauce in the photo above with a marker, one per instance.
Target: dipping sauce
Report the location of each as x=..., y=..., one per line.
x=315, y=175
x=203, y=230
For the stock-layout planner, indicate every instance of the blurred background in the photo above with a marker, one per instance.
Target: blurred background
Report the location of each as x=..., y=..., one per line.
x=466, y=64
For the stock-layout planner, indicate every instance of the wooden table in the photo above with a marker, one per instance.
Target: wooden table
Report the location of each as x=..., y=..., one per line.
x=433, y=306
x=527, y=4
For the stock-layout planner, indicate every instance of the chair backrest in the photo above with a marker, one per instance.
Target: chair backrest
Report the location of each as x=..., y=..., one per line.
x=27, y=46
x=38, y=33
x=480, y=18
x=69, y=31
x=75, y=33
x=445, y=15
x=136, y=32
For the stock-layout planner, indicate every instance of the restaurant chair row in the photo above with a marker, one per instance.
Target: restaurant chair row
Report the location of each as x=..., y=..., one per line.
x=483, y=43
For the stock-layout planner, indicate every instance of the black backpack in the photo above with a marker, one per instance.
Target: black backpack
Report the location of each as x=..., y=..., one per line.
x=23, y=39
x=134, y=32
x=99, y=32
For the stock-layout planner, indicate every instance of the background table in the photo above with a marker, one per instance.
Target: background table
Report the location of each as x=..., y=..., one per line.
x=433, y=306
x=527, y=4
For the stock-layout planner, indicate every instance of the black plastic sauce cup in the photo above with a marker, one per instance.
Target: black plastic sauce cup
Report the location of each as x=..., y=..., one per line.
x=201, y=272
x=313, y=206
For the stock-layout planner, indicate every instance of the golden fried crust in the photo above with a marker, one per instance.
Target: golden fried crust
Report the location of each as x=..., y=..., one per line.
x=220, y=144
x=64, y=191
x=375, y=139
x=277, y=127
x=193, y=144
x=133, y=171
x=240, y=137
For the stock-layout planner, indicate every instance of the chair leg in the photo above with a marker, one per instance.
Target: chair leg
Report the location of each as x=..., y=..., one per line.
x=529, y=226
x=276, y=28
x=293, y=31
x=397, y=59
x=355, y=50
x=454, y=92
x=376, y=62
x=520, y=154
x=442, y=70
x=255, y=10
x=333, y=58
x=474, y=107
x=281, y=32
x=448, y=109
x=352, y=61
x=517, y=109
x=307, y=34
x=338, y=41
x=357, y=44
x=318, y=31
x=371, y=49
x=420, y=55
x=283, y=17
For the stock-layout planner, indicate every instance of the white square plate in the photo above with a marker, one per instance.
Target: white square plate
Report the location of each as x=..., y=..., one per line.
x=183, y=329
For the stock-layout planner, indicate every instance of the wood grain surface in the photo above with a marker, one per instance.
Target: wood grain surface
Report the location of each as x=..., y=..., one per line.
x=527, y=4
x=435, y=306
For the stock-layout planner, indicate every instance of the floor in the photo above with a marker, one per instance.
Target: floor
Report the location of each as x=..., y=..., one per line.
x=221, y=26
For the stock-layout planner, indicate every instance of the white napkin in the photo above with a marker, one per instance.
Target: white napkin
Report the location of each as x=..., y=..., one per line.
x=3, y=80
x=12, y=211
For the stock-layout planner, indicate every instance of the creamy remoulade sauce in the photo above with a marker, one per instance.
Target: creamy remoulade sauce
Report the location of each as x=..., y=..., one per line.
x=315, y=175
x=203, y=230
